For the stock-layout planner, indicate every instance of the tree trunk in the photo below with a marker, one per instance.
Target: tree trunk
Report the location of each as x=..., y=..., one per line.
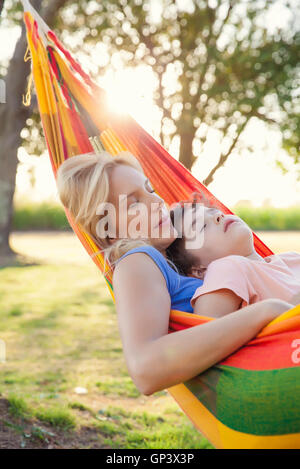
x=186, y=156
x=13, y=117
x=1, y=6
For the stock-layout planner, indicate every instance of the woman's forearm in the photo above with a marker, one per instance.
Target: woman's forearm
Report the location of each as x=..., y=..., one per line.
x=157, y=360
x=177, y=357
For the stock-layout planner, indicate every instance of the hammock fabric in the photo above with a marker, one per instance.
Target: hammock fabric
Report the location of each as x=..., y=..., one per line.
x=252, y=398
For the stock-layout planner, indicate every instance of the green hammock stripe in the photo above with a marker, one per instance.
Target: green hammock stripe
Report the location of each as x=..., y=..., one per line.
x=261, y=403
x=204, y=388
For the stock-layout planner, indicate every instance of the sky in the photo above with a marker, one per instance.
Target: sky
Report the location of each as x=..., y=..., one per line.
x=248, y=176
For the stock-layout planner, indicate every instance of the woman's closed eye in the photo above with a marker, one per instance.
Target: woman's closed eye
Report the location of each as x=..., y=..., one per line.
x=148, y=186
x=149, y=189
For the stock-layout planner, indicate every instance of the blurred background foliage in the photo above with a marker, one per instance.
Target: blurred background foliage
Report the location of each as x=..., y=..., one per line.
x=48, y=216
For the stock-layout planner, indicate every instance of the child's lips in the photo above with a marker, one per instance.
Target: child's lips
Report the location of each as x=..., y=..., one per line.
x=227, y=223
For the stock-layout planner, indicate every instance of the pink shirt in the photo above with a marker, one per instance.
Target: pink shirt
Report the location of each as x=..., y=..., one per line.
x=275, y=276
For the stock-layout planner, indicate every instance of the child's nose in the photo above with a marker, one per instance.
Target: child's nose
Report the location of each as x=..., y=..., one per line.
x=218, y=217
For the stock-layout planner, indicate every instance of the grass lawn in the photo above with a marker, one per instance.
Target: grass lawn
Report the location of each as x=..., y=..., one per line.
x=64, y=383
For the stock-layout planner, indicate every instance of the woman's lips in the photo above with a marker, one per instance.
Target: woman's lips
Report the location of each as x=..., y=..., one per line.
x=163, y=219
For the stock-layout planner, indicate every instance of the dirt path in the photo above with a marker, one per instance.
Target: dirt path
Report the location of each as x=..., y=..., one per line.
x=33, y=434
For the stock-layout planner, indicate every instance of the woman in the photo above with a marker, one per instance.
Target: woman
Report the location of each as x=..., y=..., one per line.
x=155, y=359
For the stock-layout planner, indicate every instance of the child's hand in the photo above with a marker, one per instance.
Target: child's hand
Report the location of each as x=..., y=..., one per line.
x=295, y=300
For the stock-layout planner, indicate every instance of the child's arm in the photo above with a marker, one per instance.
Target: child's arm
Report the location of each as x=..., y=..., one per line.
x=224, y=290
x=292, y=260
x=217, y=303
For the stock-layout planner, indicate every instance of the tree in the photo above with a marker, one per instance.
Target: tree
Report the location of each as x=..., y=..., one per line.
x=230, y=68
x=13, y=116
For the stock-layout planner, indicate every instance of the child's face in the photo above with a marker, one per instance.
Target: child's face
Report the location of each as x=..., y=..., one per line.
x=218, y=239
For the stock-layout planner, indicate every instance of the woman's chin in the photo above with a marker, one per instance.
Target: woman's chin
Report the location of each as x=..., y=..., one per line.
x=166, y=238
x=169, y=232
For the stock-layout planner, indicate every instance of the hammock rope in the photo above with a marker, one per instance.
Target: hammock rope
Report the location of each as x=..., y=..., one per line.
x=252, y=398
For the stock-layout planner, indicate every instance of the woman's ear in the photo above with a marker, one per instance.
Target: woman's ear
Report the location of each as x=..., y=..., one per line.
x=198, y=272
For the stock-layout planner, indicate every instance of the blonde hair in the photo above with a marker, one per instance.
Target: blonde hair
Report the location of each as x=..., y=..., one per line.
x=83, y=184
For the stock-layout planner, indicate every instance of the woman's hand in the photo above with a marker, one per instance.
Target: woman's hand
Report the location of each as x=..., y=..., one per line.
x=276, y=307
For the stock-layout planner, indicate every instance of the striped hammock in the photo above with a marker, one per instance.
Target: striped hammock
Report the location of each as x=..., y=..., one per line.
x=252, y=398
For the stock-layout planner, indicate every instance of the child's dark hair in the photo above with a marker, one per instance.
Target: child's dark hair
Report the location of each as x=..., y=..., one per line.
x=176, y=252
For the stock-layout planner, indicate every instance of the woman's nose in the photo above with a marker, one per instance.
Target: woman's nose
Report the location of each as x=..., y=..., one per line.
x=157, y=199
x=156, y=203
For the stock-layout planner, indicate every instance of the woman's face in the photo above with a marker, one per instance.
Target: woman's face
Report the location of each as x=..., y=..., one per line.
x=139, y=211
x=221, y=235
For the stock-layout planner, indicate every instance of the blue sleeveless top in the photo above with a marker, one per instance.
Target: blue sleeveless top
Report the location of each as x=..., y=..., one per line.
x=180, y=287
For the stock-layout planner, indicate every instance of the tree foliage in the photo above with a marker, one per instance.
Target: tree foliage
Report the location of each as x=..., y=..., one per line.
x=229, y=63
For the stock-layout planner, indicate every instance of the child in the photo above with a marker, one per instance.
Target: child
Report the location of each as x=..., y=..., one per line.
x=234, y=274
